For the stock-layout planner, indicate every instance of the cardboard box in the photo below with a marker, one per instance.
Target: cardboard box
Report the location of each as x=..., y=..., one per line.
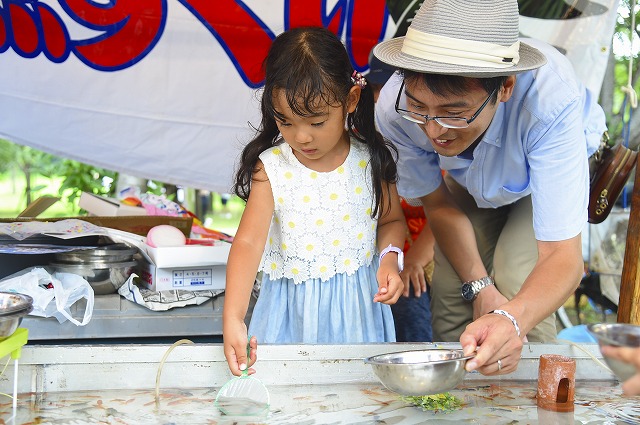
x=109, y=207
x=140, y=225
x=189, y=267
x=187, y=278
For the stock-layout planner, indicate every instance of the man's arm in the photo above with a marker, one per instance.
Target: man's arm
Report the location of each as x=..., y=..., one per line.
x=553, y=279
x=454, y=233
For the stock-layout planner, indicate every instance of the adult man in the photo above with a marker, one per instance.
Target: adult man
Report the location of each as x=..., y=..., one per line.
x=513, y=128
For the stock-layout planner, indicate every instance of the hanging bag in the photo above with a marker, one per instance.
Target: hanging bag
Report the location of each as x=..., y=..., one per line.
x=611, y=167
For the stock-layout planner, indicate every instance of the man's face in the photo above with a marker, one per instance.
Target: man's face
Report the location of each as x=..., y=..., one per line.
x=454, y=141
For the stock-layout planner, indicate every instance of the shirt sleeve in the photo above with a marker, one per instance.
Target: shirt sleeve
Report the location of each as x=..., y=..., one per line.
x=560, y=177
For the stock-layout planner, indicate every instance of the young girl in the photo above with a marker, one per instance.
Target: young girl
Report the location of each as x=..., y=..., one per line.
x=319, y=197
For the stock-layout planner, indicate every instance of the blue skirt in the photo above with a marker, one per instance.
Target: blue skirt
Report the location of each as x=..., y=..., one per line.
x=338, y=311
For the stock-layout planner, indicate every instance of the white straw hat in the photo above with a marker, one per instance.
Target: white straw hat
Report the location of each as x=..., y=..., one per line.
x=471, y=38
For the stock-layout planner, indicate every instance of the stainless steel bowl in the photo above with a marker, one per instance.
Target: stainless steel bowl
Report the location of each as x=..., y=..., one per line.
x=104, y=277
x=14, y=302
x=618, y=335
x=13, y=307
x=114, y=253
x=420, y=372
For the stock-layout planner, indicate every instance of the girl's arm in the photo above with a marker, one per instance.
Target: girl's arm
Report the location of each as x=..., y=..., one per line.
x=242, y=266
x=392, y=229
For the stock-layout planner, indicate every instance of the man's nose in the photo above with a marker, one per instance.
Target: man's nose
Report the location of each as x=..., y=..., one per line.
x=433, y=129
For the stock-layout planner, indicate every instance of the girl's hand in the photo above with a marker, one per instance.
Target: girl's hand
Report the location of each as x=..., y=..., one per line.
x=390, y=285
x=235, y=348
x=413, y=273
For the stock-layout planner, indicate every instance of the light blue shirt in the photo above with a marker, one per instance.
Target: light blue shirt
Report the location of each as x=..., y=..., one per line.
x=538, y=144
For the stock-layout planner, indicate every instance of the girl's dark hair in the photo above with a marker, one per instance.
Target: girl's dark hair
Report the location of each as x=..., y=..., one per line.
x=311, y=65
x=443, y=85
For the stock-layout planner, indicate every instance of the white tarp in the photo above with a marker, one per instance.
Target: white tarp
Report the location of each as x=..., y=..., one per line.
x=164, y=89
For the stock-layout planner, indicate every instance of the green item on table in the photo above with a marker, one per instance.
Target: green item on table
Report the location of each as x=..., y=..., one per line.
x=444, y=402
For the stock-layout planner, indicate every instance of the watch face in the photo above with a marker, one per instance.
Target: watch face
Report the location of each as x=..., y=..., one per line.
x=468, y=292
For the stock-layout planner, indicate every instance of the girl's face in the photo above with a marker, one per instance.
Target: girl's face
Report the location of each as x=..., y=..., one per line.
x=319, y=141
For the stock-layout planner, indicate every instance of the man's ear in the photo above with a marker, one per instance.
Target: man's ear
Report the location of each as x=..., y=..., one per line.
x=507, y=88
x=353, y=98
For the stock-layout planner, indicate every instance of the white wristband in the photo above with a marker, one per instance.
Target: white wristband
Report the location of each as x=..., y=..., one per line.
x=508, y=316
x=398, y=251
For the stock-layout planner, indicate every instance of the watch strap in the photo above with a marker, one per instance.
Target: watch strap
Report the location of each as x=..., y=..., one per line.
x=479, y=284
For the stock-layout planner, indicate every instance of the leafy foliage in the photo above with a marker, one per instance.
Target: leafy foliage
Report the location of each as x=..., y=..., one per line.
x=445, y=402
x=80, y=177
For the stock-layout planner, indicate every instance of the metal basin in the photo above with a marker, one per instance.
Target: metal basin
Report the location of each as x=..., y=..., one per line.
x=420, y=372
x=14, y=302
x=13, y=307
x=104, y=277
x=114, y=253
x=618, y=335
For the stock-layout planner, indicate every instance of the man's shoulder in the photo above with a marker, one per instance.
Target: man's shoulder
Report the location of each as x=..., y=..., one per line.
x=558, y=73
x=549, y=90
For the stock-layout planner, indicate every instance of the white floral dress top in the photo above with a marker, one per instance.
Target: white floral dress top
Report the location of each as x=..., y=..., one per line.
x=322, y=223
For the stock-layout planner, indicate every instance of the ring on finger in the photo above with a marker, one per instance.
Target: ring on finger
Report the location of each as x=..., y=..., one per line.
x=499, y=364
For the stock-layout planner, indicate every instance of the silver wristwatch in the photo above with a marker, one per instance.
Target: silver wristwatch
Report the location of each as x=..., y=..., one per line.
x=471, y=289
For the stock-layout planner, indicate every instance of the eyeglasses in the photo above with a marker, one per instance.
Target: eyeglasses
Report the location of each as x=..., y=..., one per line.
x=446, y=122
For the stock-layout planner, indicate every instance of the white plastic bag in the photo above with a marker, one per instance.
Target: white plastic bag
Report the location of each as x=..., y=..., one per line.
x=53, y=295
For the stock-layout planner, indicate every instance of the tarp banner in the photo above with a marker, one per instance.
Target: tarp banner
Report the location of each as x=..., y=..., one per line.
x=166, y=89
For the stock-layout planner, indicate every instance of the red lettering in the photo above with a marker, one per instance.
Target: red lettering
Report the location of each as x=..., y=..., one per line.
x=243, y=36
x=365, y=23
x=303, y=13
x=28, y=23
x=365, y=27
x=127, y=30
x=132, y=27
x=3, y=32
x=26, y=39
x=56, y=37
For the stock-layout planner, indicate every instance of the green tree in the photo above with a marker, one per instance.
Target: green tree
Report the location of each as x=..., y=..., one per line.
x=80, y=177
x=29, y=162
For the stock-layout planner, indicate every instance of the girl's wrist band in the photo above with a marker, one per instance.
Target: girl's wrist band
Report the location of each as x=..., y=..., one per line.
x=398, y=251
x=508, y=316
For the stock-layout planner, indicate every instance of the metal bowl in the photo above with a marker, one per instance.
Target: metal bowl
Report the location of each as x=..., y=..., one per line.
x=420, y=372
x=114, y=253
x=618, y=335
x=13, y=307
x=14, y=302
x=104, y=277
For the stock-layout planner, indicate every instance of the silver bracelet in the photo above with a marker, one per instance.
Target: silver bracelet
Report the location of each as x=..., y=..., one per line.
x=508, y=316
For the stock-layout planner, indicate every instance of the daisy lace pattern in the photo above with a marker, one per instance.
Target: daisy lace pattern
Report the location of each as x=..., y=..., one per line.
x=322, y=223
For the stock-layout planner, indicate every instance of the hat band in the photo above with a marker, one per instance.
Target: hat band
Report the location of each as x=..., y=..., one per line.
x=455, y=51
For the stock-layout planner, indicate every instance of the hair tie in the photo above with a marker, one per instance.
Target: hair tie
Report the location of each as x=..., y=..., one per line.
x=357, y=78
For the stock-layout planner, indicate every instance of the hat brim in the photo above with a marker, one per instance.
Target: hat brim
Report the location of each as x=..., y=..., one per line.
x=390, y=52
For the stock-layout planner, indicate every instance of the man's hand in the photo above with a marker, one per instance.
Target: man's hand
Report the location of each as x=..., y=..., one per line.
x=494, y=338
